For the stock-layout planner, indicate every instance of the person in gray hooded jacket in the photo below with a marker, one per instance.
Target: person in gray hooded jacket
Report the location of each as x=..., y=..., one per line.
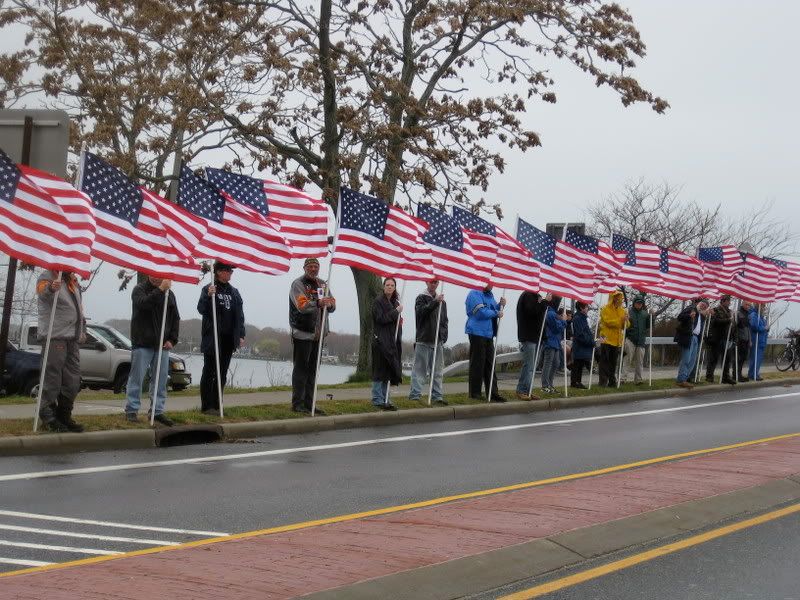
x=62, y=373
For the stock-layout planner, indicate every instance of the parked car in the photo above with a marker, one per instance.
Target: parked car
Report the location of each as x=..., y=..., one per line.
x=21, y=374
x=106, y=359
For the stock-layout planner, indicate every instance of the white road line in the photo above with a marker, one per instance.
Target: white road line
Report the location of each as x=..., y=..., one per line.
x=23, y=563
x=26, y=515
x=59, y=548
x=387, y=440
x=87, y=536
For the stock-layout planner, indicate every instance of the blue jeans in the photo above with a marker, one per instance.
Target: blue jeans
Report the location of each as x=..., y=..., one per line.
x=688, y=360
x=423, y=360
x=379, y=389
x=549, y=366
x=528, y=350
x=754, y=370
x=141, y=360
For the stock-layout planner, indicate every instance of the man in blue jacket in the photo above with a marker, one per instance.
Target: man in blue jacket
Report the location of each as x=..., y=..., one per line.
x=230, y=333
x=583, y=343
x=483, y=312
x=758, y=340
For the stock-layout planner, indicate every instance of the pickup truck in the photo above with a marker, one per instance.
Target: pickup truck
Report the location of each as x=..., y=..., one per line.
x=106, y=358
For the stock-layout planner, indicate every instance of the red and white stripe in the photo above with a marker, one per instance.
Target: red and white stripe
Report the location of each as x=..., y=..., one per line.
x=570, y=276
x=789, y=282
x=49, y=223
x=245, y=239
x=157, y=245
x=514, y=267
x=644, y=272
x=757, y=283
x=303, y=219
x=683, y=281
x=401, y=253
x=471, y=267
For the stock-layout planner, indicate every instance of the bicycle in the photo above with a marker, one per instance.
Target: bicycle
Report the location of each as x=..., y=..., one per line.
x=789, y=357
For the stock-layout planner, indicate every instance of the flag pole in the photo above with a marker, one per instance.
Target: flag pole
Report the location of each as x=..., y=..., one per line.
x=435, y=345
x=725, y=352
x=622, y=348
x=594, y=348
x=566, y=324
x=497, y=336
x=736, y=343
x=216, y=350
x=46, y=353
x=396, y=332
x=154, y=381
x=650, y=353
x=538, y=348
x=703, y=334
x=325, y=308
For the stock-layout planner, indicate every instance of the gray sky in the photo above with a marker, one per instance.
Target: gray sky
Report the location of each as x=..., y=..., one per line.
x=730, y=137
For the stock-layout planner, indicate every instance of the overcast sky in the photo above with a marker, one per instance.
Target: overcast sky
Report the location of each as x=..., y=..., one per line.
x=730, y=137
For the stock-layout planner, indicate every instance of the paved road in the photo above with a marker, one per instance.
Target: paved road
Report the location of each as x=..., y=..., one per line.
x=759, y=563
x=507, y=382
x=272, y=481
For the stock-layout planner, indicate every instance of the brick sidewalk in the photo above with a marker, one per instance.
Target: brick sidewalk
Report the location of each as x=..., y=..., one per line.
x=290, y=564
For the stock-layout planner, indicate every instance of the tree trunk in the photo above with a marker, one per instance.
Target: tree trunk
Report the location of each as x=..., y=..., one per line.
x=368, y=286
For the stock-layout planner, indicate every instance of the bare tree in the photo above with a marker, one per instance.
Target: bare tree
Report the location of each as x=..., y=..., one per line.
x=658, y=213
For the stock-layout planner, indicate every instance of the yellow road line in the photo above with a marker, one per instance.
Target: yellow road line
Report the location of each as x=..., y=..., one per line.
x=399, y=508
x=636, y=559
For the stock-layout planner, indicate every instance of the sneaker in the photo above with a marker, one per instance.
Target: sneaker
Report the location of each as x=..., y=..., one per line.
x=685, y=384
x=131, y=417
x=417, y=399
x=759, y=379
x=388, y=407
x=55, y=426
x=497, y=398
x=164, y=420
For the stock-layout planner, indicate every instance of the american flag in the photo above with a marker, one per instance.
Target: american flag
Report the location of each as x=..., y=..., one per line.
x=758, y=281
x=44, y=221
x=454, y=257
x=681, y=275
x=562, y=270
x=138, y=229
x=722, y=264
x=380, y=238
x=303, y=220
x=238, y=233
x=640, y=266
x=514, y=267
x=788, y=287
x=606, y=261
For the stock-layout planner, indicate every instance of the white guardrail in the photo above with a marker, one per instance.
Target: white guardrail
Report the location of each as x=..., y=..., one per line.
x=462, y=366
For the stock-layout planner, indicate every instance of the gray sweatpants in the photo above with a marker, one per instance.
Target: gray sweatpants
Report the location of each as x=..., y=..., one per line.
x=62, y=379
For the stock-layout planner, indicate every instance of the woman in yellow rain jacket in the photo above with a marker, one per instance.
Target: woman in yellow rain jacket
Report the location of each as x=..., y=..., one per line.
x=613, y=318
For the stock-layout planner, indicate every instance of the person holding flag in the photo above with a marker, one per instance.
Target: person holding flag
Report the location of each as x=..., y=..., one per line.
x=583, y=343
x=636, y=340
x=430, y=310
x=758, y=338
x=148, y=300
x=719, y=334
x=386, y=344
x=307, y=299
x=743, y=341
x=555, y=323
x=62, y=373
x=230, y=333
x=483, y=312
x=613, y=320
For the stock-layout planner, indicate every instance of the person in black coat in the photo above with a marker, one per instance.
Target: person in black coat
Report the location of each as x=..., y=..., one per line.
x=230, y=333
x=386, y=346
x=531, y=311
x=148, y=308
x=583, y=343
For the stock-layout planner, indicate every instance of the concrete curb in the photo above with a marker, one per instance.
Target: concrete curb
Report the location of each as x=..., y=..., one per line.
x=147, y=438
x=492, y=570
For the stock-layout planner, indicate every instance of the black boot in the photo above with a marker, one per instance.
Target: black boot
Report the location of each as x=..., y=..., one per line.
x=65, y=416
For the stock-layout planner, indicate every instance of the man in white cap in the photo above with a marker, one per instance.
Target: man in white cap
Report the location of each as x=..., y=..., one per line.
x=307, y=298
